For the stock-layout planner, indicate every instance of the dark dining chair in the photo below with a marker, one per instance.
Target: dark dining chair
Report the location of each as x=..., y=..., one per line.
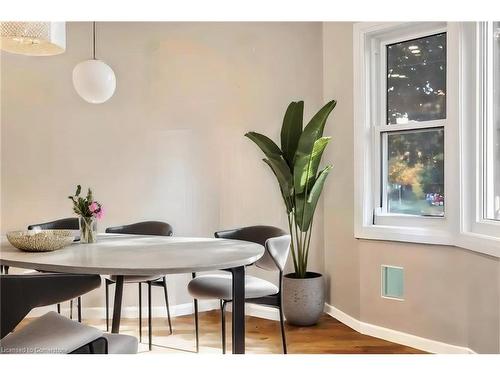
x=151, y=228
x=258, y=291
x=52, y=333
x=69, y=223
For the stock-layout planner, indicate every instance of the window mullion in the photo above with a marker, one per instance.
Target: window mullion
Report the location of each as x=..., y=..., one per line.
x=412, y=126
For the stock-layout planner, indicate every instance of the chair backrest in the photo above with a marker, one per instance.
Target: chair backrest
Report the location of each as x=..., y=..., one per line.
x=19, y=294
x=70, y=223
x=275, y=241
x=150, y=228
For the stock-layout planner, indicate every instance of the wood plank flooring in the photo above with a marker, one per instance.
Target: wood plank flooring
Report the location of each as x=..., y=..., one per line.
x=262, y=336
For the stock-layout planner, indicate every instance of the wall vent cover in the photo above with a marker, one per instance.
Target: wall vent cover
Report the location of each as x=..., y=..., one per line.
x=392, y=282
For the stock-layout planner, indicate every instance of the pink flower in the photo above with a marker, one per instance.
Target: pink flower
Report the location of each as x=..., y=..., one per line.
x=93, y=207
x=96, y=210
x=99, y=214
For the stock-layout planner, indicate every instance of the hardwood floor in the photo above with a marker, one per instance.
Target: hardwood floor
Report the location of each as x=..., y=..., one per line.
x=262, y=336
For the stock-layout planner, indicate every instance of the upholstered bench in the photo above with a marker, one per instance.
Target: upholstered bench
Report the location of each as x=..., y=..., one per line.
x=53, y=333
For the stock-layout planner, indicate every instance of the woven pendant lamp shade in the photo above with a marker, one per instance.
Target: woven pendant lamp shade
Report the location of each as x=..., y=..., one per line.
x=33, y=38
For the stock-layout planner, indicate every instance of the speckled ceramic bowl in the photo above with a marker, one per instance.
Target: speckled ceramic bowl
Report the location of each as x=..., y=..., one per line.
x=41, y=240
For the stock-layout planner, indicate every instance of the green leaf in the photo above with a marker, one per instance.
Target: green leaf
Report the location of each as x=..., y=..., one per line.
x=291, y=130
x=305, y=207
x=78, y=190
x=267, y=146
x=314, y=129
x=89, y=198
x=306, y=165
x=284, y=176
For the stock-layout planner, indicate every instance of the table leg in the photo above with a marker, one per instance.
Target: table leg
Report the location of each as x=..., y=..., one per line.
x=117, y=305
x=238, y=320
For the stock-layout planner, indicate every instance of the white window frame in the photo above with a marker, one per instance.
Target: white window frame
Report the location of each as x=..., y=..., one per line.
x=370, y=122
x=467, y=126
x=476, y=232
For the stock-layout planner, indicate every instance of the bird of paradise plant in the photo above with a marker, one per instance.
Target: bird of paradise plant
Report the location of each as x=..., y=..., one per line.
x=296, y=167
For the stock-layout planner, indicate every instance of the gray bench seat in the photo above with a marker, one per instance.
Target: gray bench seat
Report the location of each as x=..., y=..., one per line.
x=53, y=333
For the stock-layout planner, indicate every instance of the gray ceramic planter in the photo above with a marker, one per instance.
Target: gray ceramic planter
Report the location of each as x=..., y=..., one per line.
x=303, y=299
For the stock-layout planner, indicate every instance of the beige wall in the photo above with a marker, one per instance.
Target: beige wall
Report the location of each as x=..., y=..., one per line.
x=341, y=252
x=451, y=294
x=169, y=144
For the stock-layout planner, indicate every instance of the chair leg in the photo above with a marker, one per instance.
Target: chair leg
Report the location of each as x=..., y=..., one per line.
x=196, y=327
x=223, y=321
x=71, y=309
x=150, y=333
x=140, y=312
x=58, y=308
x=283, y=337
x=166, y=302
x=79, y=309
x=107, y=305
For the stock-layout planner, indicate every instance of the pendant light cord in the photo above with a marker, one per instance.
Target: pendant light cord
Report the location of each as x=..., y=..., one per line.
x=93, y=40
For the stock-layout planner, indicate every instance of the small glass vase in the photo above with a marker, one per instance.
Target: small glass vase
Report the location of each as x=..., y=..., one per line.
x=88, y=233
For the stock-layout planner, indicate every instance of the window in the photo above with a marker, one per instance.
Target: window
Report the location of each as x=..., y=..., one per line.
x=480, y=128
x=416, y=80
x=415, y=172
x=427, y=133
x=492, y=133
x=402, y=132
x=412, y=166
x=413, y=163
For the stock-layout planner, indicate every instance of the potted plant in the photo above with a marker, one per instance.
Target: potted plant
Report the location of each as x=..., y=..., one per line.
x=88, y=210
x=296, y=166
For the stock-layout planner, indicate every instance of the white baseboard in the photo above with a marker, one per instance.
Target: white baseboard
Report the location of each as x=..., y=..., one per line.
x=128, y=311
x=397, y=337
x=258, y=311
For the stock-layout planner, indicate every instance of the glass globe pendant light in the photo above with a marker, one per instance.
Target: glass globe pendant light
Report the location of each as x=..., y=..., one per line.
x=93, y=79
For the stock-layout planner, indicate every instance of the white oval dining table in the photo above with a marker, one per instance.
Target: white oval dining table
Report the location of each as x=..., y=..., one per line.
x=122, y=254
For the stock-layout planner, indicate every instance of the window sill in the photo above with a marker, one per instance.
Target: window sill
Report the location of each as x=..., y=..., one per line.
x=384, y=214
x=421, y=235
x=431, y=226
x=479, y=243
